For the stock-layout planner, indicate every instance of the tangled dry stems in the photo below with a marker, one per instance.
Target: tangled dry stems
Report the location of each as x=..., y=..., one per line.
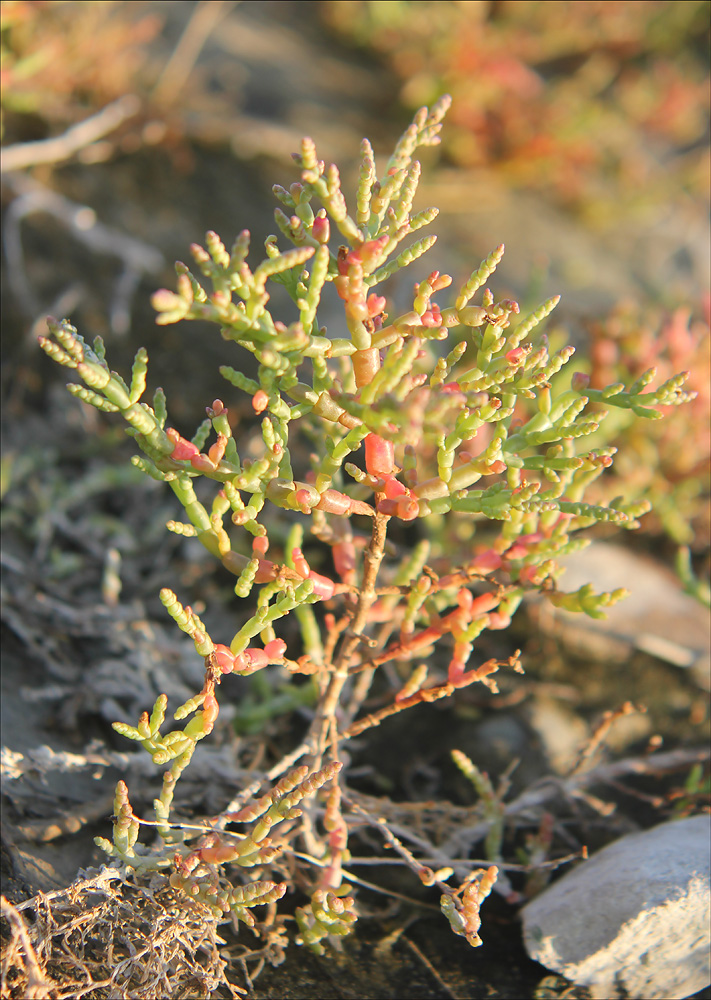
x=113, y=937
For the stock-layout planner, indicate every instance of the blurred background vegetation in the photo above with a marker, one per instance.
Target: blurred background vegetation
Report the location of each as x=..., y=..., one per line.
x=563, y=98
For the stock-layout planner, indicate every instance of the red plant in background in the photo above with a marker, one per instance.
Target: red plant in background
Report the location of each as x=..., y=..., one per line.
x=545, y=90
x=669, y=461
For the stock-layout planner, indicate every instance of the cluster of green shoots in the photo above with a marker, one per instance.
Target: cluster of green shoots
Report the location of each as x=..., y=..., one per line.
x=376, y=448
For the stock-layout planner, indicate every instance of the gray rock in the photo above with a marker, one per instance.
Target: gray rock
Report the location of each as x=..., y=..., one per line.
x=634, y=920
x=657, y=616
x=561, y=731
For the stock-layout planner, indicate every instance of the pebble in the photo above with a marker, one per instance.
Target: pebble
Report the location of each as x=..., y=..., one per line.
x=634, y=920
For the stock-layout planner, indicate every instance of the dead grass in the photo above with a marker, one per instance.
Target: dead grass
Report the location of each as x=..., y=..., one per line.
x=112, y=937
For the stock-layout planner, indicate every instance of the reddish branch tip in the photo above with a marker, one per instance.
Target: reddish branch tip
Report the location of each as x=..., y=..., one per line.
x=182, y=450
x=260, y=401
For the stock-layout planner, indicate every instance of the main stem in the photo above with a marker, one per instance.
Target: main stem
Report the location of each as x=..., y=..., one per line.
x=325, y=718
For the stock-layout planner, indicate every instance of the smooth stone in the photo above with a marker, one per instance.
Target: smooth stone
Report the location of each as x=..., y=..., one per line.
x=634, y=920
x=657, y=616
x=561, y=731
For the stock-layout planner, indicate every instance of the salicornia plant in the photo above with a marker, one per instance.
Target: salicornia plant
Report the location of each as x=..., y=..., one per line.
x=379, y=445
